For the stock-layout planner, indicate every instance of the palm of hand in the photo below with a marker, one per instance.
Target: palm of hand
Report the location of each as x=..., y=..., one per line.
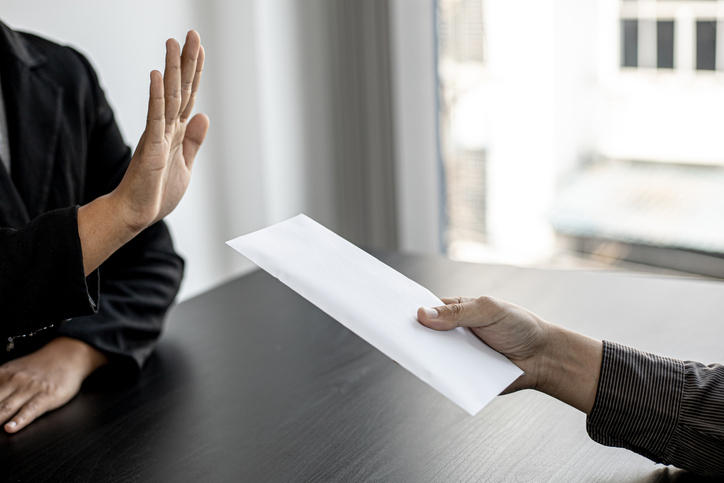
x=519, y=336
x=177, y=174
x=160, y=170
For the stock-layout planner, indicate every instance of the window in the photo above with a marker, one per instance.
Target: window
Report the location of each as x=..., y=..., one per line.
x=665, y=44
x=706, y=45
x=585, y=152
x=629, y=43
x=654, y=33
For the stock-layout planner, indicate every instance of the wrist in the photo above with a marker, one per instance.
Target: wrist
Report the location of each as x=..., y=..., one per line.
x=103, y=229
x=84, y=358
x=129, y=220
x=569, y=367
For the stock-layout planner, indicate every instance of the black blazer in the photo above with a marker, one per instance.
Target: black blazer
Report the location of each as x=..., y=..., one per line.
x=66, y=150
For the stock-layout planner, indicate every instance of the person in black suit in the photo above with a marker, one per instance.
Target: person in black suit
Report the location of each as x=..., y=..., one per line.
x=87, y=267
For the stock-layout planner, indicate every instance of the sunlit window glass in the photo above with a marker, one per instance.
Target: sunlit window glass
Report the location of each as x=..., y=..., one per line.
x=586, y=135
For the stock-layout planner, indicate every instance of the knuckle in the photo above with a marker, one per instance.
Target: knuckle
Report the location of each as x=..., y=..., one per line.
x=44, y=386
x=484, y=300
x=32, y=407
x=488, y=305
x=456, y=310
x=6, y=408
x=20, y=377
x=491, y=308
x=35, y=383
x=51, y=388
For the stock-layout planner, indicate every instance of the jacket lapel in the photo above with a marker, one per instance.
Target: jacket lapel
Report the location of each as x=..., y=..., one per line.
x=33, y=106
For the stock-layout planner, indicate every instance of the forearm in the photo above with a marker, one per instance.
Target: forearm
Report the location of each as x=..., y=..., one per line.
x=102, y=230
x=569, y=367
x=667, y=410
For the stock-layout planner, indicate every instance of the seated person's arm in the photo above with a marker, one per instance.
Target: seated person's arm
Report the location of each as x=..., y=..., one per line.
x=667, y=410
x=137, y=284
x=48, y=259
x=153, y=184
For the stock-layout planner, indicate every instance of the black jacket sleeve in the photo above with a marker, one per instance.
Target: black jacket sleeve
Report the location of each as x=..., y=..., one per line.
x=668, y=410
x=140, y=281
x=137, y=286
x=42, y=277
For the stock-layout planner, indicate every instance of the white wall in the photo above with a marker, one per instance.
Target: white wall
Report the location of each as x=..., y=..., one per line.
x=267, y=156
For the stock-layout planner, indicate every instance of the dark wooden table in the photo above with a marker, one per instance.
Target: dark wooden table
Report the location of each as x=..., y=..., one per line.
x=251, y=382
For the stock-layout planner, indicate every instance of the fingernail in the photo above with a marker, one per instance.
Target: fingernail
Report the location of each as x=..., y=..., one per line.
x=12, y=424
x=431, y=313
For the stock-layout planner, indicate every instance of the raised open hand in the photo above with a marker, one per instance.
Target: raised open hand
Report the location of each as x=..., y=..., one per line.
x=160, y=170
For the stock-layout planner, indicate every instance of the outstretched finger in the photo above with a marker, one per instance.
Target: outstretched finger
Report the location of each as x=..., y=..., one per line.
x=31, y=410
x=195, y=135
x=189, y=57
x=172, y=80
x=155, y=120
x=10, y=406
x=195, y=87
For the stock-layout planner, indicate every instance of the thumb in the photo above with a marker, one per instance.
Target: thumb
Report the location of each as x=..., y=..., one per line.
x=196, y=131
x=449, y=316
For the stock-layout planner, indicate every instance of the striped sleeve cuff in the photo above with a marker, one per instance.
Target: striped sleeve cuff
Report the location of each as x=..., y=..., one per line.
x=698, y=443
x=637, y=402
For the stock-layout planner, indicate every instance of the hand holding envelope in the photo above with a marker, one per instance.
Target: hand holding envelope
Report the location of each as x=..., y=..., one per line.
x=379, y=304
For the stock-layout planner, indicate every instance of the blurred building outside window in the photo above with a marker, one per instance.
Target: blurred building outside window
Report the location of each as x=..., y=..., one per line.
x=584, y=133
x=461, y=69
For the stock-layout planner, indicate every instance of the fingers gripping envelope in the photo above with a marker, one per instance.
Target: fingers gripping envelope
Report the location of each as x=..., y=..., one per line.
x=380, y=305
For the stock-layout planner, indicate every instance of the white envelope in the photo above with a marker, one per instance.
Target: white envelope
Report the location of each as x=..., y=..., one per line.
x=380, y=305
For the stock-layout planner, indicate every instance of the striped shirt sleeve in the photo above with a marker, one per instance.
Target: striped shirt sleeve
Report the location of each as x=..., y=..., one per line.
x=668, y=410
